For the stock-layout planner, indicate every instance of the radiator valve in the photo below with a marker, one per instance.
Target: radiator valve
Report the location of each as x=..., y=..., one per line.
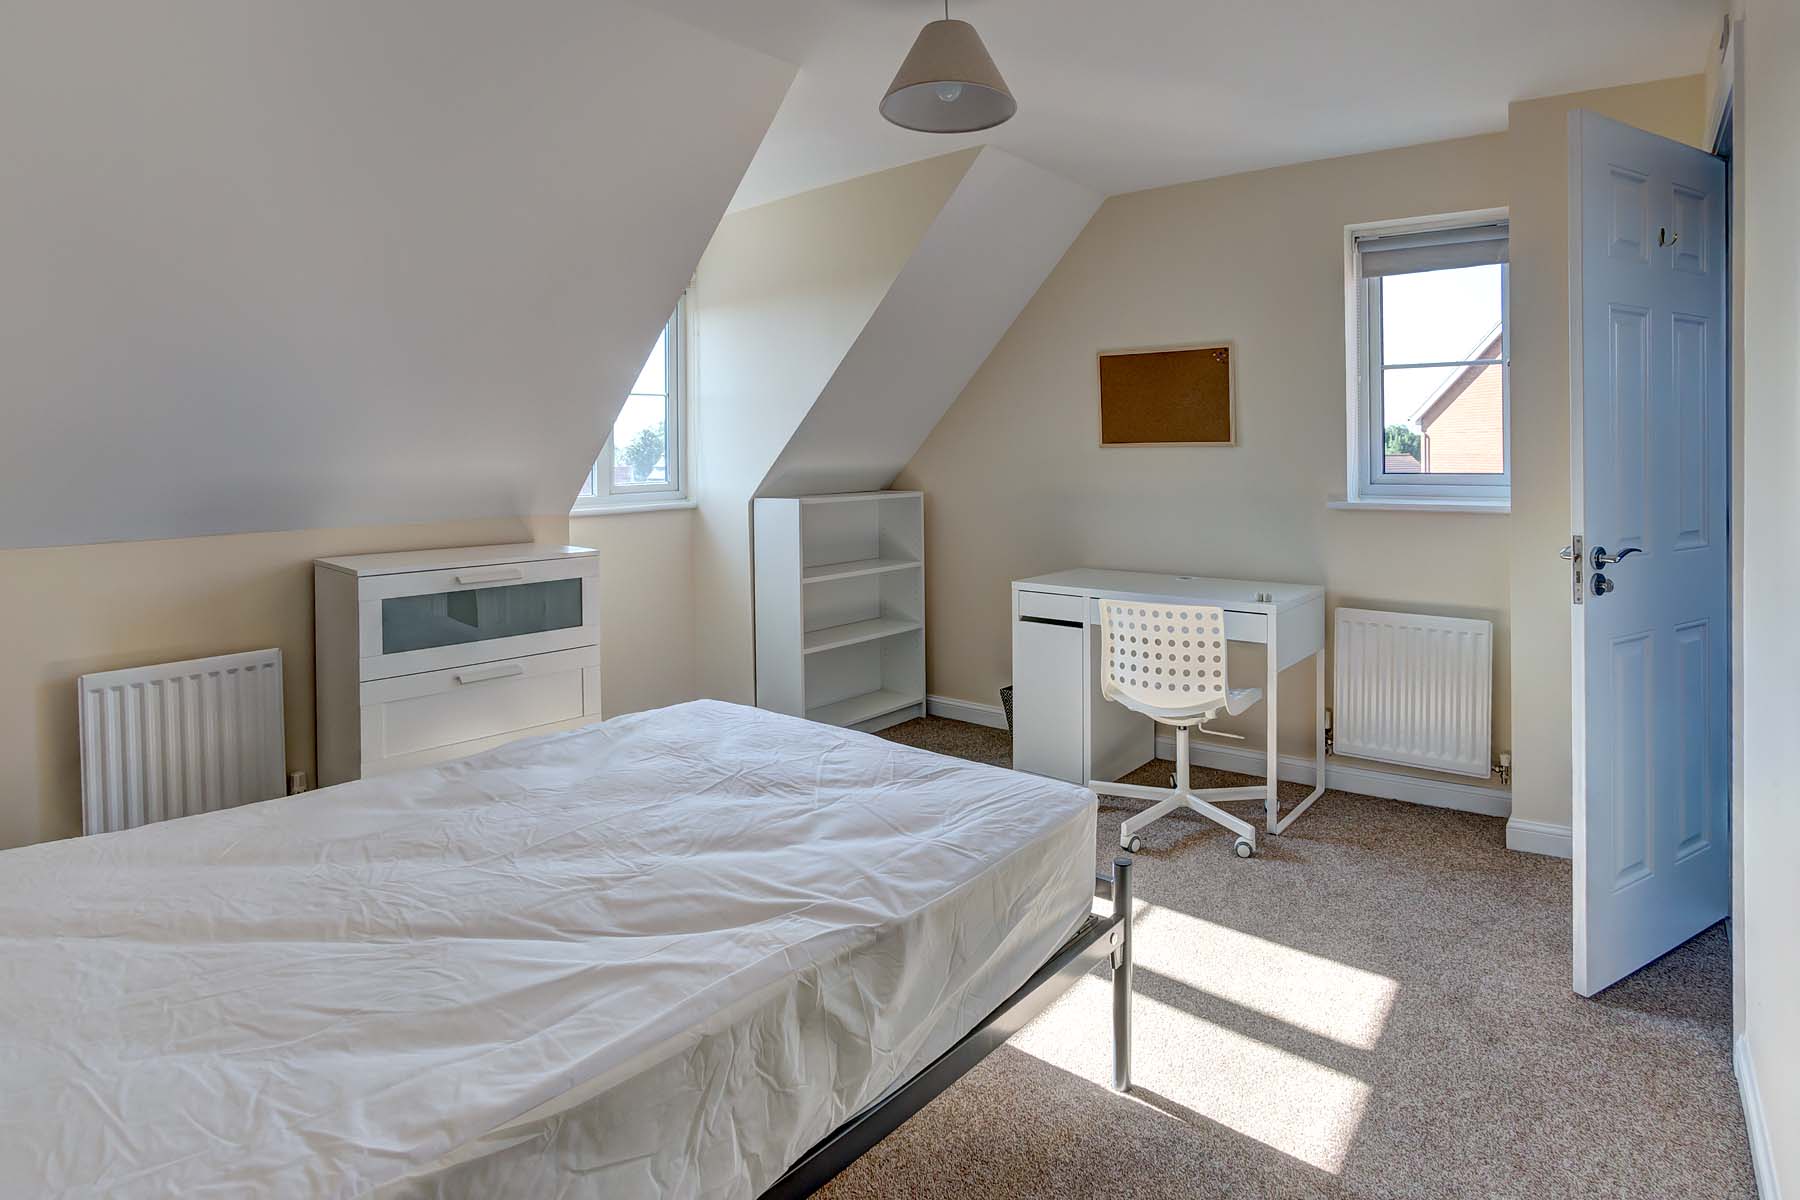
x=1329, y=747
x=1503, y=769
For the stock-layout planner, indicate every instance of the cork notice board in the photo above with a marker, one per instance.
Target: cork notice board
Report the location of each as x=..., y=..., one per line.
x=1179, y=395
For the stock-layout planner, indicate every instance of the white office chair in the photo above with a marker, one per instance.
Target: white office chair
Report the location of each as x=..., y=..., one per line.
x=1168, y=661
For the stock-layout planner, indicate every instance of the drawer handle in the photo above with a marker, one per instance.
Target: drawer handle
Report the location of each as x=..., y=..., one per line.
x=493, y=575
x=483, y=674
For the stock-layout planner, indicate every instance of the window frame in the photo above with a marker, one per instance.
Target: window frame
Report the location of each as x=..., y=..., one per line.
x=599, y=494
x=1367, y=481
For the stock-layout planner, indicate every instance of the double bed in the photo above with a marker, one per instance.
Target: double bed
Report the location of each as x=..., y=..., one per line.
x=704, y=951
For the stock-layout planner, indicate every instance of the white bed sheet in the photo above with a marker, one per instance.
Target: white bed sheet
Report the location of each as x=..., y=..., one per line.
x=660, y=956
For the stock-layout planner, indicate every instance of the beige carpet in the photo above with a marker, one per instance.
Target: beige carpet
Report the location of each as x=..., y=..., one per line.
x=1378, y=1004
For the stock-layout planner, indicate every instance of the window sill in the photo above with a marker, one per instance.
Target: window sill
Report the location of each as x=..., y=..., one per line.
x=621, y=507
x=1422, y=505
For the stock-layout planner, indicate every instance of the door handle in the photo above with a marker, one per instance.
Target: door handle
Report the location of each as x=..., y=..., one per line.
x=1603, y=560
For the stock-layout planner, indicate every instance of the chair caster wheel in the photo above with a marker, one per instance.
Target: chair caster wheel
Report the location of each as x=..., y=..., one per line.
x=1134, y=845
x=1244, y=848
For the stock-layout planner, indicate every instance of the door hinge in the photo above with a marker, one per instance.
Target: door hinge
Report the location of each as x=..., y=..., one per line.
x=1572, y=554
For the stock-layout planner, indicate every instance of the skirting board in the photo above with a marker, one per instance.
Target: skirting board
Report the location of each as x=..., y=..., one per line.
x=1364, y=781
x=1540, y=837
x=991, y=715
x=1762, y=1156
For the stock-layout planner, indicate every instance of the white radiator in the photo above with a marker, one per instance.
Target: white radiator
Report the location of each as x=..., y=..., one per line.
x=1414, y=689
x=186, y=737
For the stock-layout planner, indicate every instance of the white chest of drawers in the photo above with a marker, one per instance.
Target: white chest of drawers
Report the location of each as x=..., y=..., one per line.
x=435, y=654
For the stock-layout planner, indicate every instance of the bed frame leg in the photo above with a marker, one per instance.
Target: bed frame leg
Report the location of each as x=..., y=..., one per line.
x=1121, y=985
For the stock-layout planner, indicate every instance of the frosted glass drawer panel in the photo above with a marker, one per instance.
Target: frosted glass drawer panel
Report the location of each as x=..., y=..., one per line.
x=478, y=614
x=464, y=704
x=433, y=620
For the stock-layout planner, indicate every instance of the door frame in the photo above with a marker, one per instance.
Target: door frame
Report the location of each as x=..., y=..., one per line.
x=1721, y=135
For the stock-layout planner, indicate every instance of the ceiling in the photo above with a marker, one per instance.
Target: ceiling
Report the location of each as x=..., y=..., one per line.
x=1132, y=94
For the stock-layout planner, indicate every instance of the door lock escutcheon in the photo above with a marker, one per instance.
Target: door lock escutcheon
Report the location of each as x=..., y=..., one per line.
x=1601, y=584
x=1571, y=554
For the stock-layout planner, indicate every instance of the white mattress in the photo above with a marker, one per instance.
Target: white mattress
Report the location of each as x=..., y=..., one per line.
x=660, y=956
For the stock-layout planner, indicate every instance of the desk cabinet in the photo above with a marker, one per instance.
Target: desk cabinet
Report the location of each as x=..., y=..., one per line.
x=1049, y=688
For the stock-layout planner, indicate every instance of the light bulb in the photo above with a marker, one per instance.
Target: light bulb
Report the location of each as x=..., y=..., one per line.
x=949, y=93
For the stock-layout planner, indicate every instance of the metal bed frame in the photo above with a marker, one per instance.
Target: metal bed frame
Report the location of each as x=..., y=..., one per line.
x=1100, y=938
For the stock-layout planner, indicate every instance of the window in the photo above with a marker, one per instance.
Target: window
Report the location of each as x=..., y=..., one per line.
x=1426, y=304
x=641, y=462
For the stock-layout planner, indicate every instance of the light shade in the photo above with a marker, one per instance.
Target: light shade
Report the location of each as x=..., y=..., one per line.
x=948, y=84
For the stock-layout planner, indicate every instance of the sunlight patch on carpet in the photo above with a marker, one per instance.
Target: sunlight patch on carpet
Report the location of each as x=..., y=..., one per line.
x=1320, y=995
x=1289, y=1103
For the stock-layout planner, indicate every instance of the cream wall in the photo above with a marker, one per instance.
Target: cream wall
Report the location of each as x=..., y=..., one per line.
x=1537, y=151
x=1766, y=173
x=646, y=606
x=1016, y=484
x=782, y=292
x=68, y=610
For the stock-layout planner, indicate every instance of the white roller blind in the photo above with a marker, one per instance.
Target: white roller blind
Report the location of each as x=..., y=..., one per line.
x=1433, y=250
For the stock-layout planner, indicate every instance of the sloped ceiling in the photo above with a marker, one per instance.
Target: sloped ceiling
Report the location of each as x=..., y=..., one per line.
x=280, y=265
x=996, y=239
x=835, y=328
x=783, y=293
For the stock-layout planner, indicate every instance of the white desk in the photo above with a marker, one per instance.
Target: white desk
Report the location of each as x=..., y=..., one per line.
x=1064, y=729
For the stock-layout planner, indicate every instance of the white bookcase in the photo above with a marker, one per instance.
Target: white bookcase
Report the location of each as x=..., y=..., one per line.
x=840, y=607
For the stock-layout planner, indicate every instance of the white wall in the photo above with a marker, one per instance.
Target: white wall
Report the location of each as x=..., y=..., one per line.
x=274, y=265
x=1766, y=175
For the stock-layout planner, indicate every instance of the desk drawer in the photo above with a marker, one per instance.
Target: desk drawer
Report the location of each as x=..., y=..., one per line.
x=1050, y=606
x=1239, y=626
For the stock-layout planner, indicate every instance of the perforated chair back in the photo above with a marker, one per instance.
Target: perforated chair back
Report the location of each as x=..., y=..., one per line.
x=1167, y=661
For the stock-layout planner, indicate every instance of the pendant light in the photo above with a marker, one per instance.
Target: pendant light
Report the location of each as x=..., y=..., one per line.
x=948, y=84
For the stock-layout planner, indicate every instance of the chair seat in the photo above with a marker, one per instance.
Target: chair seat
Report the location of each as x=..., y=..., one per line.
x=1242, y=698
x=1234, y=702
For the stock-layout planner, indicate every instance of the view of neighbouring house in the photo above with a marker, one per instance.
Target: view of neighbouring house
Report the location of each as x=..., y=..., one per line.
x=1461, y=431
